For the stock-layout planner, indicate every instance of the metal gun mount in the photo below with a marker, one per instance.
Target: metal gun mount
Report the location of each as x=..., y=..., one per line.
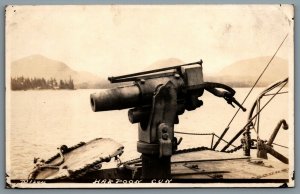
x=156, y=99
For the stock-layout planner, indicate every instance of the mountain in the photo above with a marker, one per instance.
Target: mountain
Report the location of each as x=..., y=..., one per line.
x=42, y=67
x=240, y=73
x=245, y=72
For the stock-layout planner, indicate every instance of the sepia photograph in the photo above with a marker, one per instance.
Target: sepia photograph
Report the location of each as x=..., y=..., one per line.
x=149, y=96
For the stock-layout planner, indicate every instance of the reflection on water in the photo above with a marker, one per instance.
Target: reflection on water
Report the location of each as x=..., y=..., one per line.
x=43, y=120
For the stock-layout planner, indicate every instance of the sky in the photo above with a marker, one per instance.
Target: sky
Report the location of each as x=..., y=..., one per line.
x=120, y=39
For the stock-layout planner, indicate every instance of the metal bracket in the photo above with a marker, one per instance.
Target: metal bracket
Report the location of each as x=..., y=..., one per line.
x=164, y=138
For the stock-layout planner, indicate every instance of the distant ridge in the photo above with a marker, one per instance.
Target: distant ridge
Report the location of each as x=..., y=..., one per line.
x=245, y=72
x=242, y=73
x=42, y=67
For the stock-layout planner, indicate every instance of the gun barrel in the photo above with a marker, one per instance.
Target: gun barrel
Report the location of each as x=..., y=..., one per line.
x=115, y=99
x=123, y=97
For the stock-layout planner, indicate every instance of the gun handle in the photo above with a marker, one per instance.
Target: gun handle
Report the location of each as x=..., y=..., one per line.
x=238, y=104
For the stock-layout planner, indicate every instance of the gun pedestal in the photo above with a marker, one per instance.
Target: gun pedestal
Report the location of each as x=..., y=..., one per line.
x=156, y=132
x=157, y=167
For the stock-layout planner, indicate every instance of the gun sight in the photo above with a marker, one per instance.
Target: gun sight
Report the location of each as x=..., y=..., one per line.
x=149, y=74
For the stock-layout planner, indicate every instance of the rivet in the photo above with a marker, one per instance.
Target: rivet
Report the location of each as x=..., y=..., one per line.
x=165, y=136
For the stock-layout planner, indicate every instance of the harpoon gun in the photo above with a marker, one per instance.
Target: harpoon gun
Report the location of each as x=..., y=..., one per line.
x=156, y=98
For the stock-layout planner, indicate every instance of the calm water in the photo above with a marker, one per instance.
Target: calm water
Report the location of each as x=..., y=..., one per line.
x=43, y=120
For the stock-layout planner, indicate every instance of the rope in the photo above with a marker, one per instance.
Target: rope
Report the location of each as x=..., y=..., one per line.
x=39, y=166
x=227, y=128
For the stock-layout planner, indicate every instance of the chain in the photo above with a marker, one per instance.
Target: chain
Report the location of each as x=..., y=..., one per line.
x=234, y=149
x=202, y=148
x=96, y=165
x=188, y=150
x=213, y=134
x=132, y=161
x=270, y=173
x=188, y=133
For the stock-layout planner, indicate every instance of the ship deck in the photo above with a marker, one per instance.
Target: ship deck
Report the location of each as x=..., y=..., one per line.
x=187, y=166
x=209, y=164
